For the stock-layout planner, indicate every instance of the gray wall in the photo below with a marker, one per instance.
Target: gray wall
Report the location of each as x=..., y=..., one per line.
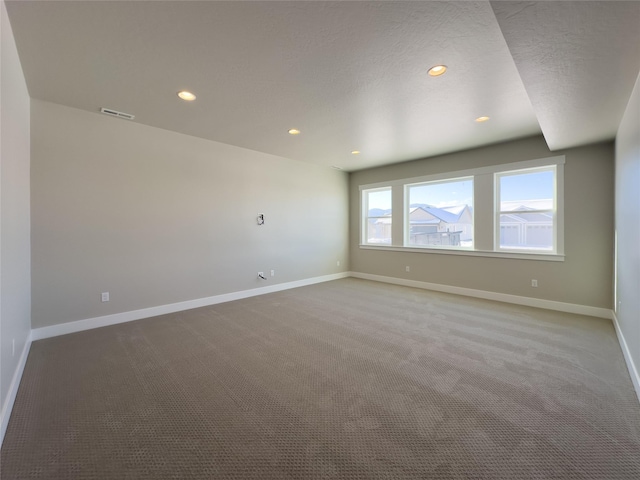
x=628, y=224
x=584, y=278
x=15, y=277
x=156, y=217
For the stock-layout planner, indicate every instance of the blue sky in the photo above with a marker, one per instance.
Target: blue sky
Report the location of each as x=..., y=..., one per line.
x=444, y=194
x=529, y=186
x=526, y=187
x=380, y=200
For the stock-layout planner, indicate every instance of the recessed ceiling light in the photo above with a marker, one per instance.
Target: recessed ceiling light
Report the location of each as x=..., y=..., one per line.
x=355, y=152
x=294, y=131
x=482, y=119
x=437, y=70
x=188, y=96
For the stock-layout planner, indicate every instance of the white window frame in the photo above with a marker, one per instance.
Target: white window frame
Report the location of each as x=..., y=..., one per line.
x=553, y=210
x=364, y=214
x=484, y=208
x=407, y=212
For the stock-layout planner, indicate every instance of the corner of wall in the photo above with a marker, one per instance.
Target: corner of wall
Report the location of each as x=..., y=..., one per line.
x=15, y=220
x=627, y=228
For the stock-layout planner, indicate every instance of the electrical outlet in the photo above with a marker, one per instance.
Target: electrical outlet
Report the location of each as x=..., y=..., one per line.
x=273, y=273
x=534, y=283
x=338, y=263
x=407, y=268
x=105, y=296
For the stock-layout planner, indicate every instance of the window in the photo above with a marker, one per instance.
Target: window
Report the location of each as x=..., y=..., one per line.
x=440, y=214
x=513, y=210
x=526, y=210
x=377, y=215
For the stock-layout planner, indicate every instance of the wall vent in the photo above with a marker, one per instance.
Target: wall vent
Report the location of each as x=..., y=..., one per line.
x=115, y=113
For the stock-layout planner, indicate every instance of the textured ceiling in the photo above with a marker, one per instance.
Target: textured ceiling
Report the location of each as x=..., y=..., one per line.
x=349, y=75
x=578, y=61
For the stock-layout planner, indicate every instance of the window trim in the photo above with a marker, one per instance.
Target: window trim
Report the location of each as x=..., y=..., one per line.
x=406, y=231
x=469, y=253
x=554, y=209
x=364, y=217
x=400, y=184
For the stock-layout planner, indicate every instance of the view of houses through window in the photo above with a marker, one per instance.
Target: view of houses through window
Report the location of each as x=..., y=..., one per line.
x=377, y=203
x=439, y=213
x=526, y=216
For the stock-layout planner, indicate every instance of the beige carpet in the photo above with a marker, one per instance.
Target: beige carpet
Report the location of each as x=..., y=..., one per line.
x=348, y=379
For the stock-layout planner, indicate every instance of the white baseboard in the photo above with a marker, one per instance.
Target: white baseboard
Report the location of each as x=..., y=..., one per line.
x=527, y=301
x=499, y=297
x=633, y=371
x=13, y=389
x=96, y=322
x=89, y=323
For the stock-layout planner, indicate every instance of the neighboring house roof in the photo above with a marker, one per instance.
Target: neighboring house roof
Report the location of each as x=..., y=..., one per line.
x=446, y=214
x=521, y=215
x=427, y=215
x=457, y=209
x=529, y=218
x=385, y=219
x=536, y=204
x=379, y=212
x=431, y=221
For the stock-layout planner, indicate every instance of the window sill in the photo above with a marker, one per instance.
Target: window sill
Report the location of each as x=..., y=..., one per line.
x=547, y=257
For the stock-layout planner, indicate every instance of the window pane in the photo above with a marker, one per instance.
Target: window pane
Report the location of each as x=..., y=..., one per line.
x=527, y=219
x=378, y=232
x=528, y=191
x=441, y=214
x=531, y=231
x=379, y=200
x=378, y=216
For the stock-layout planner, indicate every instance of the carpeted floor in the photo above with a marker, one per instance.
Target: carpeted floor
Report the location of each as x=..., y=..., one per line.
x=348, y=379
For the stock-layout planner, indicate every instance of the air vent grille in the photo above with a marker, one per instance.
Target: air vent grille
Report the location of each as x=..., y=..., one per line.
x=115, y=113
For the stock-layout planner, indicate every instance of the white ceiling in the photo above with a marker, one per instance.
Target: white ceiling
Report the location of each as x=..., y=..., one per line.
x=349, y=75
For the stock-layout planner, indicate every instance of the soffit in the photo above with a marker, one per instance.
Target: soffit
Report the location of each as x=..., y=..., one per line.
x=578, y=61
